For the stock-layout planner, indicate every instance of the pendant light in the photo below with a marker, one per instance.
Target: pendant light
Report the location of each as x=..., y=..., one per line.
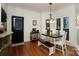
x=51, y=19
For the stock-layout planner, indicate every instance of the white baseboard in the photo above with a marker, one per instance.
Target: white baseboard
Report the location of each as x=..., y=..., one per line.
x=70, y=44
x=17, y=44
x=77, y=49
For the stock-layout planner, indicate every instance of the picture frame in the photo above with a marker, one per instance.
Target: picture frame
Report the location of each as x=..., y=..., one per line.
x=34, y=22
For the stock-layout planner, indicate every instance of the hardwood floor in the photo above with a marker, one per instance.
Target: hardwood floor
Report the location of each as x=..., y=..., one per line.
x=31, y=49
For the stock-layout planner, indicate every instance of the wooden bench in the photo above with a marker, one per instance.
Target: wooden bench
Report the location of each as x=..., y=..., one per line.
x=48, y=45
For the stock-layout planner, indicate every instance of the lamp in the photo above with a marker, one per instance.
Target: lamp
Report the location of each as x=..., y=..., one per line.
x=51, y=19
x=50, y=22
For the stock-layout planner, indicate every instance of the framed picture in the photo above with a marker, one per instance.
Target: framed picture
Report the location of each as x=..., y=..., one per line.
x=34, y=22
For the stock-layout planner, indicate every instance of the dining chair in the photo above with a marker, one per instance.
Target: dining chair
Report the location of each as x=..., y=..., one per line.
x=42, y=36
x=62, y=42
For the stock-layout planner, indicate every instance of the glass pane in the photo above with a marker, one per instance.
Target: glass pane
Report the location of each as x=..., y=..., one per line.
x=66, y=22
x=18, y=24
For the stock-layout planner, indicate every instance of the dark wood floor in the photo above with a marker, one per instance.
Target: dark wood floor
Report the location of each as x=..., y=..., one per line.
x=31, y=49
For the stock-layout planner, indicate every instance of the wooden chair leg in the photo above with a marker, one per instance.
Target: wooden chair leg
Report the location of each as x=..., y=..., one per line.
x=51, y=50
x=63, y=50
x=39, y=43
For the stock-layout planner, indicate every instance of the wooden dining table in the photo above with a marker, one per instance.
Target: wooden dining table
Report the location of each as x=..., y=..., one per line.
x=54, y=36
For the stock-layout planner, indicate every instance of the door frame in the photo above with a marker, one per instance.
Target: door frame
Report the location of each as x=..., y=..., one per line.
x=22, y=29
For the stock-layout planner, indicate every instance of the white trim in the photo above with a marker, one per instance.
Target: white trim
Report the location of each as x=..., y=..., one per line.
x=77, y=49
x=17, y=44
x=69, y=44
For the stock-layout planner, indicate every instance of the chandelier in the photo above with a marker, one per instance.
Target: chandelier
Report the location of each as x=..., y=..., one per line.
x=50, y=15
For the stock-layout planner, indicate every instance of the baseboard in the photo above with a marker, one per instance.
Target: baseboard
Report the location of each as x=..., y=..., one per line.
x=17, y=44
x=70, y=44
x=77, y=50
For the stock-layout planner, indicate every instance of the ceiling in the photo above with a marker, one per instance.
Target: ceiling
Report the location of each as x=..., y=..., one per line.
x=39, y=7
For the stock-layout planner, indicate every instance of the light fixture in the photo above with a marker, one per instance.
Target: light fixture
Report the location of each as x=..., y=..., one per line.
x=51, y=19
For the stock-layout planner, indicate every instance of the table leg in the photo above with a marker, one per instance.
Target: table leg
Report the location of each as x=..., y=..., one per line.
x=54, y=43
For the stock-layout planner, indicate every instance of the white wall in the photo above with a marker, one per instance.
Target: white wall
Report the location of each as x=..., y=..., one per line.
x=28, y=17
x=77, y=26
x=4, y=6
x=77, y=9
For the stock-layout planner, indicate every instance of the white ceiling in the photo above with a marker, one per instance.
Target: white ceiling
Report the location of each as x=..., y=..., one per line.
x=41, y=6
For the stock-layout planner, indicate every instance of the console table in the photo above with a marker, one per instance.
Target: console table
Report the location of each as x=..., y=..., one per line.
x=5, y=42
x=34, y=36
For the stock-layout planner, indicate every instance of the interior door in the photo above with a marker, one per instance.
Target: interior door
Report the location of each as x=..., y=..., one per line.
x=18, y=29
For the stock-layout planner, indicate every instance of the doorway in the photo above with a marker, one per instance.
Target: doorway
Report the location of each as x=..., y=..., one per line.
x=18, y=29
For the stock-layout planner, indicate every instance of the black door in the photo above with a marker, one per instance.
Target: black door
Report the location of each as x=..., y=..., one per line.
x=18, y=29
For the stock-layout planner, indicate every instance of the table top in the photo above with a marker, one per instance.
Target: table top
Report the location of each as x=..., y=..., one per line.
x=6, y=33
x=53, y=36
